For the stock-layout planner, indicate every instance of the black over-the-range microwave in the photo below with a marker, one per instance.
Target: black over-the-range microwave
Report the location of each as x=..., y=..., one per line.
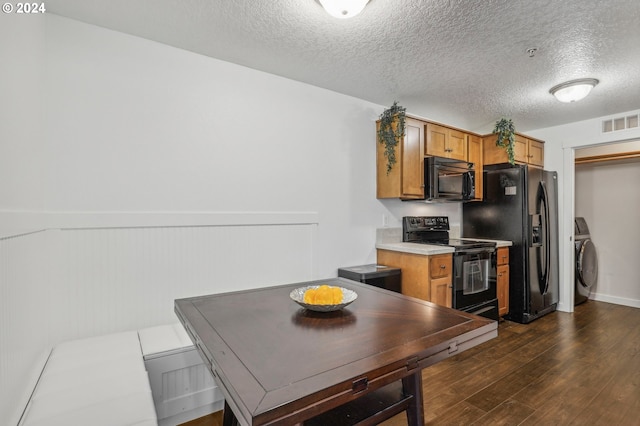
x=446, y=179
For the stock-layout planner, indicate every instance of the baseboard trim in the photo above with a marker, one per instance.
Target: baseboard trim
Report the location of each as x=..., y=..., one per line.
x=633, y=303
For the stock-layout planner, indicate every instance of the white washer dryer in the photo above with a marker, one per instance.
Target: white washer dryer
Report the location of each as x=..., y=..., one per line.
x=586, y=261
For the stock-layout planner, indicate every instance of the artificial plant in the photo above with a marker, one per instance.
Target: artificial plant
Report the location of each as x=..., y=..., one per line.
x=390, y=131
x=506, y=133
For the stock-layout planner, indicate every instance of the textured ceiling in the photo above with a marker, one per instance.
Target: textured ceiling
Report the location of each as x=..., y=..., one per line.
x=461, y=62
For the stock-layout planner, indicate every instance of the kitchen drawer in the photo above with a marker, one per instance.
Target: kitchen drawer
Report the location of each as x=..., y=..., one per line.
x=440, y=265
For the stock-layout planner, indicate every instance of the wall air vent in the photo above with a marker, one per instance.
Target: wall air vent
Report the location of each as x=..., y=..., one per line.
x=620, y=123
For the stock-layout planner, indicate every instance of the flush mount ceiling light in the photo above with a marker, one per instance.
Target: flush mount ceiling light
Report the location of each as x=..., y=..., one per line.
x=573, y=90
x=343, y=8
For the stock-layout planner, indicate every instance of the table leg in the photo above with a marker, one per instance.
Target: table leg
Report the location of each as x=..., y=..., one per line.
x=412, y=385
x=228, y=418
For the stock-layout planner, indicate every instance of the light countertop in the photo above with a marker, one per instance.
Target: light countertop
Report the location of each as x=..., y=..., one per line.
x=391, y=239
x=415, y=248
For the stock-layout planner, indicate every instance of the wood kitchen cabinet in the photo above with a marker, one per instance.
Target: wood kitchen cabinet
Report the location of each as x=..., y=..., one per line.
x=428, y=278
x=446, y=142
x=535, y=152
x=526, y=151
x=406, y=178
x=502, y=284
x=441, y=279
x=475, y=156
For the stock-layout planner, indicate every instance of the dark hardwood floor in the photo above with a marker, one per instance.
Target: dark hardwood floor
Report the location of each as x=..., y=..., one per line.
x=562, y=369
x=213, y=419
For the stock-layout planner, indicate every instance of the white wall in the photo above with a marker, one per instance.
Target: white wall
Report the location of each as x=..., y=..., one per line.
x=560, y=146
x=21, y=111
x=132, y=173
x=609, y=202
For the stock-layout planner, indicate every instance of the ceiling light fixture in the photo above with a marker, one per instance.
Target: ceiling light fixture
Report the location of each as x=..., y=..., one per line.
x=573, y=90
x=343, y=8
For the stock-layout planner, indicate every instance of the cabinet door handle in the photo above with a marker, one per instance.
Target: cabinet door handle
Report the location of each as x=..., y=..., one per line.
x=443, y=266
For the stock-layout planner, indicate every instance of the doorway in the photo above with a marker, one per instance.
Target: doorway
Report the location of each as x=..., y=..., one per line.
x=605, y=194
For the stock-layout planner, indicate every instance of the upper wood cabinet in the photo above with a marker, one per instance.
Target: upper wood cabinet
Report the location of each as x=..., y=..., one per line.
x=526, y=151
x=406, y=178
x=475, y=156
x=446, y=142
x=535, y=153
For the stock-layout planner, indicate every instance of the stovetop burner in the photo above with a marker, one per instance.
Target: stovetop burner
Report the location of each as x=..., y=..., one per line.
x=435, y=230
x=456, y=243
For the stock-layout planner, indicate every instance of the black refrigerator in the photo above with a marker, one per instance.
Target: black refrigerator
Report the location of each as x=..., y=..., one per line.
x=520, y=204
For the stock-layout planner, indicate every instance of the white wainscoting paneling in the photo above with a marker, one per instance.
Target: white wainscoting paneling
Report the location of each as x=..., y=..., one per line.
x=25, y=310
x=128, y=278
x=60, y=284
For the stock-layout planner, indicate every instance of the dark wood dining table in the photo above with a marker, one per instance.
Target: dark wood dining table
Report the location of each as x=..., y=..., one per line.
x=279, y=363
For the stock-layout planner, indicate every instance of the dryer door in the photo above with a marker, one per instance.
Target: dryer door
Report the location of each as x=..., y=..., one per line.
x=587, y=264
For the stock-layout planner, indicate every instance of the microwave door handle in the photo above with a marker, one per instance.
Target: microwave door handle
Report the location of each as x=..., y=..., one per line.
x=470, y=181
x=466, y=185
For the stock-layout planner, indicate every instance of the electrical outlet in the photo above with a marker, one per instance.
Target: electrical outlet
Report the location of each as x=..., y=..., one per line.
x=385, y=220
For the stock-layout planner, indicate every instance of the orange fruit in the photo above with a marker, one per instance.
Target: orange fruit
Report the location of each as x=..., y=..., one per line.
x=323, y=295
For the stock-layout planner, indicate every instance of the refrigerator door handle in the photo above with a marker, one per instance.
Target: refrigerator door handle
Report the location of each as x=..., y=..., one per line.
x=546, y=240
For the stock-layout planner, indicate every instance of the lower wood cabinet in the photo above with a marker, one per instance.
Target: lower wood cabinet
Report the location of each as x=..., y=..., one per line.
x=502, y=271
x=441, y=279
x=424, y=277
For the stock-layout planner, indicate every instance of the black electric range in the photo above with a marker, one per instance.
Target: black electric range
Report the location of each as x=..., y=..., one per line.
x=474, y=285
x=435, y=230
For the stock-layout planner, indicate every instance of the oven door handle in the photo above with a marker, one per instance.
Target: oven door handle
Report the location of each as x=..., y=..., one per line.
x=475, y=250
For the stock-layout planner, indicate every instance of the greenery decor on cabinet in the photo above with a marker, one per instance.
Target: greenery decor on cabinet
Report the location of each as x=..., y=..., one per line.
x=506, y=132
x=391, y=131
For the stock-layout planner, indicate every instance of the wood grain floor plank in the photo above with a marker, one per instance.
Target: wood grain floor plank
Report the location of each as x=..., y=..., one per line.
x=562, y=369
x=462, y=414
x=511, y=384
x=508, y=413
x=581, y=368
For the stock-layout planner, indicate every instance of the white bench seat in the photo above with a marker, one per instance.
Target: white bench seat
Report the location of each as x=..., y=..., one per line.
x=94, y=381
x=149, y=377
x=183, y=388
x=127, y=409
x=163, y=340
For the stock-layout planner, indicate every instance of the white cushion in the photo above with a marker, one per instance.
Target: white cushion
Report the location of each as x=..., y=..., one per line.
x=123, y=410
x=75, y=353
x=164, y=338
x=86, y=375
x=89, y=393
x=95, y=381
